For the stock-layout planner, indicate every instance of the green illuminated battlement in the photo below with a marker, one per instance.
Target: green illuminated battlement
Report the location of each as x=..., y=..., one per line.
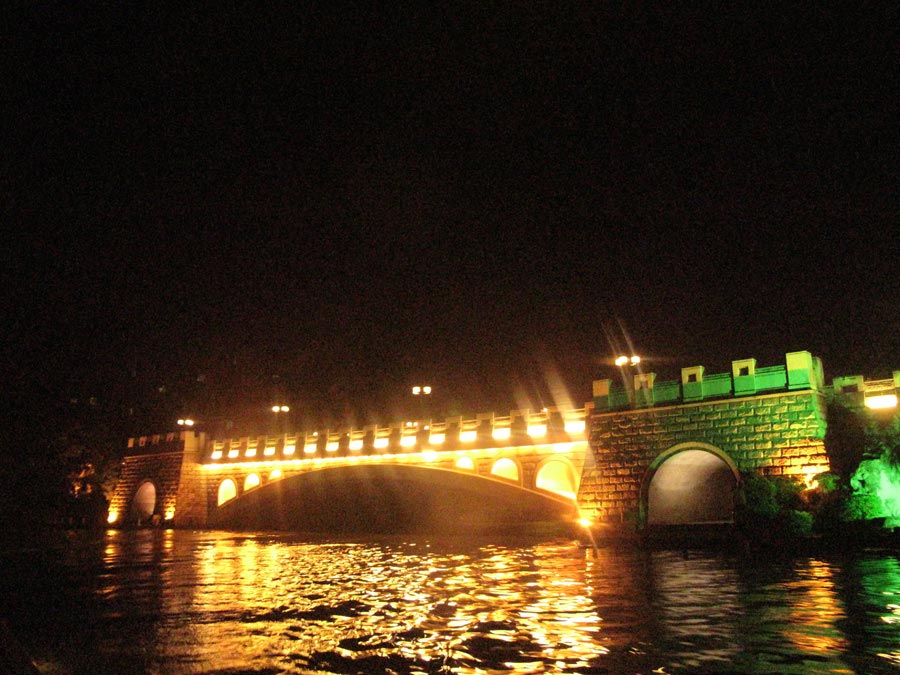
x=800, y=371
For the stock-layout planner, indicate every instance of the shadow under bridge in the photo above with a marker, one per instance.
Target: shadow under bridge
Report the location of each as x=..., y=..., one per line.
x=393, y=499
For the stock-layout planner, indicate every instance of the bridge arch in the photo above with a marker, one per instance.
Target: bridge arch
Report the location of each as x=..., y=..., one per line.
x=689, y=483
x=251, y=481
x=143, y=503
x=557, y=475
x=390, y=498
x=226, y=492
x=507, y=469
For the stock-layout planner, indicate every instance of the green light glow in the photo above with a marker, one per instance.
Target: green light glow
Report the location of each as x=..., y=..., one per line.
x=880, y=479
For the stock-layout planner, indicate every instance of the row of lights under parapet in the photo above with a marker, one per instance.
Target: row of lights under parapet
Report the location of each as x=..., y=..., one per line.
x=405, y=437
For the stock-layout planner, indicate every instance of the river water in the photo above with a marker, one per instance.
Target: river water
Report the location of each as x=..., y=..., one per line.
x=152, y=601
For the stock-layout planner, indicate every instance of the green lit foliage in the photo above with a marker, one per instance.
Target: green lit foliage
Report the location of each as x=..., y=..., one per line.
x=875, y=483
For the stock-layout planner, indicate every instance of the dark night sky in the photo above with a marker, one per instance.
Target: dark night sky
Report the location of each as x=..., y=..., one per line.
x=329, y=205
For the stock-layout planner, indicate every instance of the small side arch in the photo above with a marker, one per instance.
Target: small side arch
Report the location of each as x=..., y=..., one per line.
x=227, y=491
x=557, y=475
x=143, y=504
x=508, y=469
x=689, y=483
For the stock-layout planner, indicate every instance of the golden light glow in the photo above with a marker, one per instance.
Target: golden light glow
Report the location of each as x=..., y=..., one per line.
x=501, y=433
x=275, y=474
x=289, y=449
x=112, y=517
x=468, y=435
x=574, y=426
x=233, y=453
x=381, y=442
x=310, y=448
x=429, y=455
x=881, y=402
x=217, y=454
x=537, y=430
x=356, y=444
x=227, y=491
x=809, y=477
x=437, y=438
x=465, y=463
x=251, y=481
x=251, y=451
x=407, y=441
x=332, y=446
x=170, y=513
x=269, y=451
x=505, y=468
x=585, y=522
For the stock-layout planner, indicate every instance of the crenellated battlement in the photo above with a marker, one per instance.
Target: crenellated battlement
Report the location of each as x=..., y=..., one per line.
x=484, y=430
x=801, y=371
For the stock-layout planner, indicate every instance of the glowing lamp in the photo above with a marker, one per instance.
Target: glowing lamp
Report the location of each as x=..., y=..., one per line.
x=112, y=517
x=332, y=446
x=437, y=438
x=309, y=448
x=574, y=426
x=407, y=441
x=251, y=452
x=537, y=430
x=626, y=360
x=881, y=402
x=501, y=433
x=269, y=451
x=465, y=463
x=290, y=449
x=217, y=454
x=170, y=513
x=381, y=442
x=233, y=453
x=585, y=522
x=468, y=435
x=356, y=444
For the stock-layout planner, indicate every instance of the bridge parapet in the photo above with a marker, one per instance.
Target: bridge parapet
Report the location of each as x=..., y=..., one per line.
x=801, y=370
x=483, y=431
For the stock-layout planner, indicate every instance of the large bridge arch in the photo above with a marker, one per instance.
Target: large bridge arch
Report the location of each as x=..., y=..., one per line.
x=391, y=498
x=689, y=483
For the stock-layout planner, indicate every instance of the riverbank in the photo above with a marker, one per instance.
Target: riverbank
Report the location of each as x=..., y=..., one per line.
x=728, y=537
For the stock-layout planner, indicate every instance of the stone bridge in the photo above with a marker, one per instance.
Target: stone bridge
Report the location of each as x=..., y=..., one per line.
x=642, y=452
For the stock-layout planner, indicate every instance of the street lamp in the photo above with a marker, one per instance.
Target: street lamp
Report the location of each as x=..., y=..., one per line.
x=424, y=390
x=281, y=408
x=632, y=360
x=186, y=422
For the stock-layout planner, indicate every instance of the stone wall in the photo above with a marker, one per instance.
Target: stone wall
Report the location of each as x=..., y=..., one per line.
x=170, y=462
x=776, y=434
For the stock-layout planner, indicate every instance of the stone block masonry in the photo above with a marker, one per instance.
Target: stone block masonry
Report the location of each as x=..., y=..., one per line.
x=780, y=433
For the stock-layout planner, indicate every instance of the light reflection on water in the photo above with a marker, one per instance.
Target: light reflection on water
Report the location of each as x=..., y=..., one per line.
x=185, y=602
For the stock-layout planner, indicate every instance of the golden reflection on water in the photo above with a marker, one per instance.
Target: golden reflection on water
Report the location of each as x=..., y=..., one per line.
x=250, y=602
x=815, y=610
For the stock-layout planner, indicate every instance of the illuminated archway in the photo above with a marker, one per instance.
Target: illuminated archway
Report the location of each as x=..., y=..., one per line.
x=557, y=475
x=251, y=481
x=690, y=483
x=144, y=502
x=227, y=491
x=506, y=468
